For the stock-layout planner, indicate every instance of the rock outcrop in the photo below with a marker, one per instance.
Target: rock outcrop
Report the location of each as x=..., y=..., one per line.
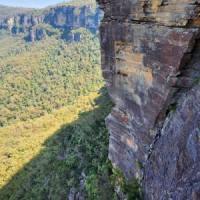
x=151, y=64
x=63, y=18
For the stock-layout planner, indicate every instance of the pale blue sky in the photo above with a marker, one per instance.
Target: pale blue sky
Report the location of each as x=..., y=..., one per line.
x=31, y=3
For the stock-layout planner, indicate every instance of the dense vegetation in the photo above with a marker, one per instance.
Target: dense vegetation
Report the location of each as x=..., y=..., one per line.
x=36, y=79
x=58, y=156
x=45, y=86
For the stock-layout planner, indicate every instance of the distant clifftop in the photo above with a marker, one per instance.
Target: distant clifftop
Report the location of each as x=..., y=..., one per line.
x=58, y=20
x=6, y=11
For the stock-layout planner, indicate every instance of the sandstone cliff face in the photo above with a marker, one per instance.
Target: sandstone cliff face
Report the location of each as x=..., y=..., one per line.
x=63, y=18
x=150, y=61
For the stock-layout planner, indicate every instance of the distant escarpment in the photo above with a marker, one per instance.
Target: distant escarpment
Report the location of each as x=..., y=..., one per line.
x=151, y=64
x=58, y=20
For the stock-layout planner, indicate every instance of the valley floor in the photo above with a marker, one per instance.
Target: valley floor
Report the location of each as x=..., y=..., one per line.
x=43, y=158
x=53, y=139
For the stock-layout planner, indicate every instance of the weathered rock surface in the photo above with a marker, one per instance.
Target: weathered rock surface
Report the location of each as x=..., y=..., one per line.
x=62, y=18
x=151, y=63
x=173, y=169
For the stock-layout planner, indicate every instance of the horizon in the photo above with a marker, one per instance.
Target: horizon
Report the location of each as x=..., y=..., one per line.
x=31, y=3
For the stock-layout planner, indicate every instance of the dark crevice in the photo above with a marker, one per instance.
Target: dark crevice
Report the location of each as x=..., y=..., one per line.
x=122, y=73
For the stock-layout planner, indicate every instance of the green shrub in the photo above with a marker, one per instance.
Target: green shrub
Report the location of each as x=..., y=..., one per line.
x=130, y=188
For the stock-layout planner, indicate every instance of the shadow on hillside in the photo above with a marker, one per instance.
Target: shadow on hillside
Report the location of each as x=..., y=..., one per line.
x=74, y=148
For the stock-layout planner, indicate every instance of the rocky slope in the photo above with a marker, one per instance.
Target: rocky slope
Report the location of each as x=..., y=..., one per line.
x=58, y=20
x=150, y=60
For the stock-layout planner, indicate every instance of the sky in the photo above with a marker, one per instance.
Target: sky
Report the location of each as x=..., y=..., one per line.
x=30, y=3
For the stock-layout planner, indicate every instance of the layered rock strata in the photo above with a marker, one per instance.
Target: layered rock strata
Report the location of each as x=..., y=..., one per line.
x=63, y=18
x=151, y=64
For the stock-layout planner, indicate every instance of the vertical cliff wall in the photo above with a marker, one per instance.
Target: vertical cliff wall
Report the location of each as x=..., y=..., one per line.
x=151, y=64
